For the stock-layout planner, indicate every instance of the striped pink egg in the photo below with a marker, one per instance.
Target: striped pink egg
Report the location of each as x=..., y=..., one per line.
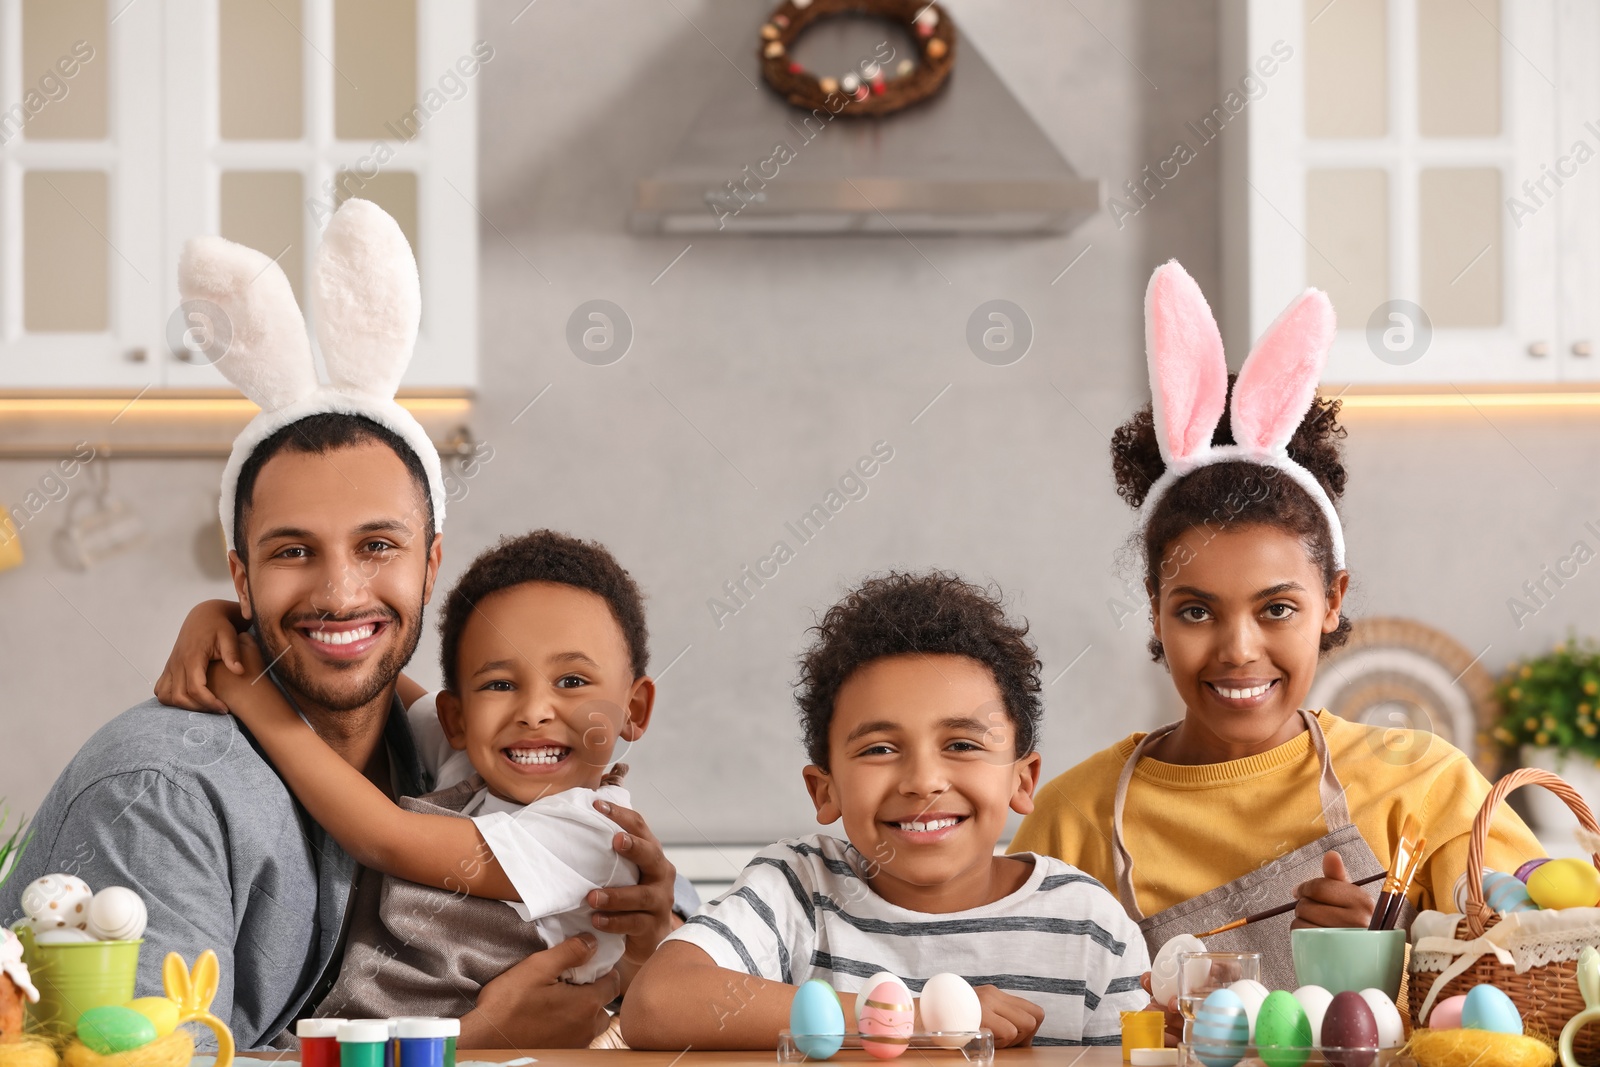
x=886, y=1021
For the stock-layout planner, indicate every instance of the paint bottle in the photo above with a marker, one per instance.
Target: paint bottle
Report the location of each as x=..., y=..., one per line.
x=363, y=1043
x=319, y=1042
x=428, y=1042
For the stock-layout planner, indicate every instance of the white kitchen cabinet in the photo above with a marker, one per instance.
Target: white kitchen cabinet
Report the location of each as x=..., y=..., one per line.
x=248, y=118
x=1408, y=150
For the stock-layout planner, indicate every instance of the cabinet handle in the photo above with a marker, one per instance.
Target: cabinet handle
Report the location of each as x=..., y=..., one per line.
x=135, y=355
x=1539, y=349
x=1581, y=348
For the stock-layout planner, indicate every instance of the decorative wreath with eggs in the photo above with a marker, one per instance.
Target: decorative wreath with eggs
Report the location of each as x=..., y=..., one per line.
x=881, y=84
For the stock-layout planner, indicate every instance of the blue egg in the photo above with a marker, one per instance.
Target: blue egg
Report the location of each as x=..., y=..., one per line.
x=1506, y=893
x=1221, y=1029
x=816, y=1020
x=1487, y=1008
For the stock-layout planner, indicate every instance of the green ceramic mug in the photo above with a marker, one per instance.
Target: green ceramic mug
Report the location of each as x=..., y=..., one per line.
x=72, y=978
x=1347, y=960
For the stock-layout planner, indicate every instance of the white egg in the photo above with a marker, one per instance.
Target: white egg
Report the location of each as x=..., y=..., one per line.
x=950, y=1005
x=1164, y=969
x=66, y=935
x=1252, y=993
x=873, y=983
x=117, y=914
x=57, y=901
x=1390, y=1029
x=1315, y=1000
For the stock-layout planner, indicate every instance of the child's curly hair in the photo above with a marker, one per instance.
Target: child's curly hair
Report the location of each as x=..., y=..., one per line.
x=934, y=612
x=1235, y=493
x=543, y=556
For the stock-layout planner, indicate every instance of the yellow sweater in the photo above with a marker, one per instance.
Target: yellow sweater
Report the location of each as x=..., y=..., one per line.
x=1191, y=829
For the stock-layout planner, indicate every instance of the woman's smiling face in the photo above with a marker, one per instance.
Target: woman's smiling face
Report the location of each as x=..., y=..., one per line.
x=1240, y=615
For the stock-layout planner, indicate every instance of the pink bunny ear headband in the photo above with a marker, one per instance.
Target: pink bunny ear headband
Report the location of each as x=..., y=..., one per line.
x=368, y=302
x=1274, y=390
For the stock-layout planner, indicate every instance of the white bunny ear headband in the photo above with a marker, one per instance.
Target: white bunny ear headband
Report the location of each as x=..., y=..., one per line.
x=368, y=302
x=1275, y=387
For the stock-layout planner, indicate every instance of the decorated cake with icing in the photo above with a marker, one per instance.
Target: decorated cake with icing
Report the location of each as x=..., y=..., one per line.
x=16, y=986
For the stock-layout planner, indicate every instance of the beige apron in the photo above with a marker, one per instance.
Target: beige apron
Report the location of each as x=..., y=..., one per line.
x=1271, y=884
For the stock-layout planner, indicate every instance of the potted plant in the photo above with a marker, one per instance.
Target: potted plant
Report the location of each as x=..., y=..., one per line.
x=1551, y=714
x=11, y=991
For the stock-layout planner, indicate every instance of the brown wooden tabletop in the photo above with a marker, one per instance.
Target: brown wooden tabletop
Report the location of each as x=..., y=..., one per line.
x=583, y=1057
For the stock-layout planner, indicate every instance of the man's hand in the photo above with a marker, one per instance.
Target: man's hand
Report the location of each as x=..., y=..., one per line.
x=1332, y=900
x=1012, y=1020
x=529, y=1006
x=642, y=912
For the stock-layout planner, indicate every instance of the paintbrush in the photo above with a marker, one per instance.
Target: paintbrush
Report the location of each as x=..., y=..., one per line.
x=1280, y=909
x=1404, y=853
x=1392, y=915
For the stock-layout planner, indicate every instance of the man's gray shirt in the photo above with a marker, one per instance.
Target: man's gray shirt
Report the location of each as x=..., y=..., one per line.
x=184, y=809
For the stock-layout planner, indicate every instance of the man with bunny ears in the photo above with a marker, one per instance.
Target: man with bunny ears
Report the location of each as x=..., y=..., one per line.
x=333, y=508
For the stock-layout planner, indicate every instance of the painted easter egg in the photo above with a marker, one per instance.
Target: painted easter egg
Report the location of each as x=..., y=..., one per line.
x=162, y=1013
x=1164, y=968
x=1446, y=1014
x=1349, y=1031
x=816, y=1020
x=1283, y=1033
x=1529, y=867
x=117, y=914
x=1506, y=893
x=1391, y=1030
x=1487, y=1008
x=57, y=901
x=66, y=935
x=886, y=1021
x=950, y=1005
x=1253, y=993
x=1220, y=1031
x=1315, y=1000
x=873, y=983
x=1565, y=884
x=114, y=1028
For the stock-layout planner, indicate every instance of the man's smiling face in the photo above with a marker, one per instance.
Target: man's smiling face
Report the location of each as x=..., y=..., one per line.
x=340, y=564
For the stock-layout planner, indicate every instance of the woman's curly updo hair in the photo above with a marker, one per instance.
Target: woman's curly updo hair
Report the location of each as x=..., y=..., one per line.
x=1234, y=493
x=934, y=613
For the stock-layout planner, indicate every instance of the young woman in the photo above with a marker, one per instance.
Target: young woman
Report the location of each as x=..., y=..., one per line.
x=1251, y=800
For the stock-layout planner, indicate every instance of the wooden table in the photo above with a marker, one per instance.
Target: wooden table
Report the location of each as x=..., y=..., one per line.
x=583, y=1057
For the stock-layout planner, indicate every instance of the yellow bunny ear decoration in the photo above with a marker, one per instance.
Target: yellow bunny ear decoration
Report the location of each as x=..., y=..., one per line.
x=193, y=991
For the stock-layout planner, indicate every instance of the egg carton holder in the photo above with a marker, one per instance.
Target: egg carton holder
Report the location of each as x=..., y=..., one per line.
x=974, y=1046
x=1287, y=1056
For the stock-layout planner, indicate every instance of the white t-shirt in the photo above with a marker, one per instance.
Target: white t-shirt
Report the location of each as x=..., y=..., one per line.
x=802, y=909
x=554, y=851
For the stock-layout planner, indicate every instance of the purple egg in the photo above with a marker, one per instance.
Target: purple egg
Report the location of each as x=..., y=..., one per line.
x=1349, y=1031
x=1528, y=868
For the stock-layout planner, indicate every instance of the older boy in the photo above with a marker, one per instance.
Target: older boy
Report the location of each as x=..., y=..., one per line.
x=920, y=705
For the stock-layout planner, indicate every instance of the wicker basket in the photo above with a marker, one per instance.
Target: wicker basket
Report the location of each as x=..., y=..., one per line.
x=1546, y=994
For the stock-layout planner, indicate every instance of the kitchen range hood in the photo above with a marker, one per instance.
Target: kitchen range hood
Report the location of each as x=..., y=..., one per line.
x=968, y=161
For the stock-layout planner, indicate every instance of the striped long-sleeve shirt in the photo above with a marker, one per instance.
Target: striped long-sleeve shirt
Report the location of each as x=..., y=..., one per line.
x=802, y=909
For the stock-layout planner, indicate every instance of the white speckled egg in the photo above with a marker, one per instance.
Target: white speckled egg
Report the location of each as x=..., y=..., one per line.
x=57, y=901
x=117, y=914
x=1391, y=1031
x=950, y=1005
